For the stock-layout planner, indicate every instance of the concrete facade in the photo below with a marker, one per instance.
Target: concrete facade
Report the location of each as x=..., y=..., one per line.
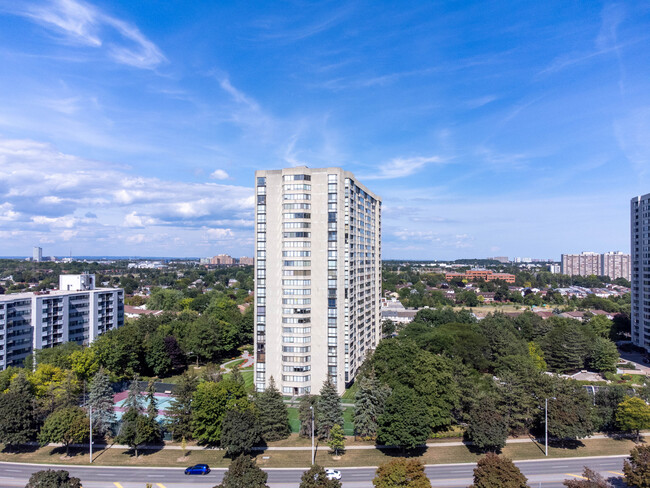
x=317, y=277
x=640, y=246
x=30, y=321
x=616, y=265
x=584, y=264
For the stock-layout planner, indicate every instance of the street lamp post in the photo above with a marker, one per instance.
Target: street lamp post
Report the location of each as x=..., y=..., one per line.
x=546, y=426
x=90, y=414
x=311, y=408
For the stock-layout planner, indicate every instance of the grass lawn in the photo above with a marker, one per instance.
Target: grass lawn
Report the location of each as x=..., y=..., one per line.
x=248, y=377
x=235, y=363
x=350, y=394
x=370, y=457
x=348, y=426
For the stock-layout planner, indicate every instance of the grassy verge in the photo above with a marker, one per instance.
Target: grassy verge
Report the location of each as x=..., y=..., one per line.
x=348, y=414
x=278, y=459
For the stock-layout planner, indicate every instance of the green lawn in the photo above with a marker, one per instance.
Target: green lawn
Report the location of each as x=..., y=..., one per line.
x=348, y=425
x=234, y=364
x=350, y=394
x=249, y=378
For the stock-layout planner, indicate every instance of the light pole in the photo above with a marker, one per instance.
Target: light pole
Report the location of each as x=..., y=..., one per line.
x=311, y=408
x=546, y=426
x=90, y=414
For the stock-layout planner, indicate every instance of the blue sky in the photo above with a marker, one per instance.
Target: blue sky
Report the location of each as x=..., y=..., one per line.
x=488, y=128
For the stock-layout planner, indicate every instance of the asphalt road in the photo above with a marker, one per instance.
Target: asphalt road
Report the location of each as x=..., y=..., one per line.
x=540, y=473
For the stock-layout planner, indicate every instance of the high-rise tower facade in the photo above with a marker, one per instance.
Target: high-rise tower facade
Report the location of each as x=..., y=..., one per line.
x=640, y=247
x=317, y=277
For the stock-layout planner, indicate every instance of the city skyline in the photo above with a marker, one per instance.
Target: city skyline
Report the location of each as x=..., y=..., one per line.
x=486, y=130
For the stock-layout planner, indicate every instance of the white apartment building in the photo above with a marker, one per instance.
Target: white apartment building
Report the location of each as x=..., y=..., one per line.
x=317, y=277
x=616, y=265
x=640, y=246
x=76, y=312
x=37, y=254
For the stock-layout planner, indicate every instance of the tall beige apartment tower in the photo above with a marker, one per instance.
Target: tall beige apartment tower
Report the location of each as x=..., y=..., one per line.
x=640, y=247
x=317, y=277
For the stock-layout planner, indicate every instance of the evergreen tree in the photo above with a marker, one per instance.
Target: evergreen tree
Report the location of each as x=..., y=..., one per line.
x=308, y=405
x=152, y=403
x=67, y=425
x=369, y=405
x=401, y=473
x=100, y=398
x=134, y=399
x=337, y=439
x=637, y=468
x=570, y=413
x=316, y=477
x=179, y=413
x=330, y=411
x=244, y=473
x=240, y=431
x=18, y=412
x=493, y=471
x=237, y=377
x=273, y=414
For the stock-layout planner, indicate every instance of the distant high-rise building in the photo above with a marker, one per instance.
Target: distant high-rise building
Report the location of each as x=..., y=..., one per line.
x=317, y=277
x=554, y=268
x=77, y=312
x=501, y=259
x=246, y=261
x=584, y=264
x=616, y=265
x=223, y=259
x=37, y=254
x=640, y=246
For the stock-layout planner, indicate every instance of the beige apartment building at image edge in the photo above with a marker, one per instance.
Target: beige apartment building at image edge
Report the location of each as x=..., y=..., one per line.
x=640, y=245
x=317, y=277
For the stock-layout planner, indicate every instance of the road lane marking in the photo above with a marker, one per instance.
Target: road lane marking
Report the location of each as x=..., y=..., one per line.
x=117, y=484
x=576, y=476
x=160, y=485
x=616, y=472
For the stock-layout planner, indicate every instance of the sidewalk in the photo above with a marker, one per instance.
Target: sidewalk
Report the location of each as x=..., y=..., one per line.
x=298, y=448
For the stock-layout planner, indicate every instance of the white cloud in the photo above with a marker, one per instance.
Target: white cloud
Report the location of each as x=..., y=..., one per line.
x=138, y=221
x=219, y=174
x=401, y=167
x=87, y=25
x=218, y=234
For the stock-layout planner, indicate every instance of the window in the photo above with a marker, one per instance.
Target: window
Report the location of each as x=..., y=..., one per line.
x=296, y=178
x=293, y=196
x=261, y=199
x=261, y=181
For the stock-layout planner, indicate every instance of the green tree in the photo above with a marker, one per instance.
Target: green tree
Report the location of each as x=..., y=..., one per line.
x=633, y=415
x=604, y=355
x=100, y=398
x=401, y=473
x=18, y=412
x=537, y=355
x=601, y=325
x=67, y=425
x=330, y=412
x=591, y=479
x=273, y=414
x=488, y=428
x=157, y=357
x=607, y=400
x=240, y=430
x=316, y=477
x=307, y=407
x=637, y=468
x=405, y=422
x=244, y=473
x=179, y=413
x=209, y=406
x=493, y=471
x=134, y=398
x=570, y=414
x=152, y=403
x=84, y=363
x=565, y=346
x=52, y=479
x=337, y=439
x=369, y=405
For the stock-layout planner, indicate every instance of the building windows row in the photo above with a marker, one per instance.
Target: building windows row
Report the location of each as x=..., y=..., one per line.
x=296, y=359
x=290, y=235
x=294, y=225
x=293, y=196
x=296, y=215
x=296, y=349
x=296, y=178
x=296, y=206
x=296, y=301
x=296, y=254
x=296, y=282
x=297, y=186
x=296, y=291
x=296, y=340
x=296, y=330
x=296, y=379
x=296, y=263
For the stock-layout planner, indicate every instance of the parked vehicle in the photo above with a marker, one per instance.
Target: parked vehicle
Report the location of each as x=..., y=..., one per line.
x=333, y=474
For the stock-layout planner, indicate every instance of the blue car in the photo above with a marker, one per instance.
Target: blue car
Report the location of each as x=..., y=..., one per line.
x=198, y=469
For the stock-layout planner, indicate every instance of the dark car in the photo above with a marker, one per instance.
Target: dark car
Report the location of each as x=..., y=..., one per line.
x=198, y=469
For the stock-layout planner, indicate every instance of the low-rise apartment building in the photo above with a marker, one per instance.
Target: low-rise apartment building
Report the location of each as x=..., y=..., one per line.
x=483, y=274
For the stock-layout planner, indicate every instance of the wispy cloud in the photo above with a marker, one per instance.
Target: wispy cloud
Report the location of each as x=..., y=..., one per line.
x=402, y=167
x=82, y=23
x=219, y=174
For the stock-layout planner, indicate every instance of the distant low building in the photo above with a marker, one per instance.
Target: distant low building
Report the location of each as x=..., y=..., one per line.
x=484, y=274
x=246, y=261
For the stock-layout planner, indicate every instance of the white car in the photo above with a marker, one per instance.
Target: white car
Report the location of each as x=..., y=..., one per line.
x=333, y=474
